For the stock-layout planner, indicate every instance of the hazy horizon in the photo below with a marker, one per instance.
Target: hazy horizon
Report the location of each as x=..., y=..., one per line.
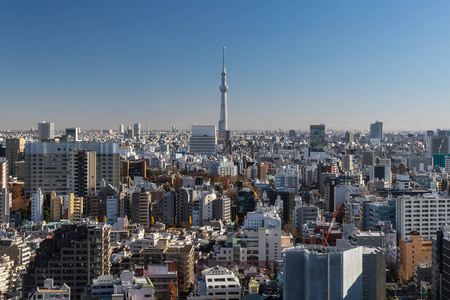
x=98, y=64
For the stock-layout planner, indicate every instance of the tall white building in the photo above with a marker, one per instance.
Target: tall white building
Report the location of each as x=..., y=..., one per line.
x=46, y=131
x=4, y=173
x=425, y=214
x=203, y=140
x=37, y=206
x=137, y=130
x=208, y=199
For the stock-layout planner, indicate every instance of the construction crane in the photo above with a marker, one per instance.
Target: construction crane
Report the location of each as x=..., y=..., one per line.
x=331, y=225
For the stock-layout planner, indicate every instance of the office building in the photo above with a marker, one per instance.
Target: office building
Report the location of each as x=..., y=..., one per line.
x=376, y=130
x=368, y=158
x=15, y=152
x=422, y=213
x=246, y=203
x=223, y=122
x=203, y=140
x=121, y=129
x=216, y=283
x=317, y=141
x=73, y=132
x=137, y=130
x=379, y=211
x=48, y=166
x=37, y=206
x=335, y=274
x=46, y=132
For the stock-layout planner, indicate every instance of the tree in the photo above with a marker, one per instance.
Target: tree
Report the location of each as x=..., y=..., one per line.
x=46, y=214
x=96, y=219
x=104, y=219
x=190, y=220
x=171, y=291
x=152, y=221
x=149, y=173
x=289, y=228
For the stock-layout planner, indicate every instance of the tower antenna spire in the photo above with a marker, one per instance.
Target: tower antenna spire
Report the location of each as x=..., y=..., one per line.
x=224, y=57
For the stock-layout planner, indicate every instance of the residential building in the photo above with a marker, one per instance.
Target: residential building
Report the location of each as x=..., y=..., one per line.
x=76, y=254
x=50, y=292
x=422, y=213
x=37, y=206
x=413, y=249
x=140, y=207
x=47, y=166
x=56, y=211
x=184, y=255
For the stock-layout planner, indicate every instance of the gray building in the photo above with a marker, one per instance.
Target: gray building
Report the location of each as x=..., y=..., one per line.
x=47, y=165
x=376, y=130
x=203, y=140
x=46, y=132
x=317, y=141
x=374, y=274
x=73, y=132
x=334, y=274
x=137, y=130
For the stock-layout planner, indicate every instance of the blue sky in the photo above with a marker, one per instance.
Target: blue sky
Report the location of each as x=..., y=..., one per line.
x=98, y=64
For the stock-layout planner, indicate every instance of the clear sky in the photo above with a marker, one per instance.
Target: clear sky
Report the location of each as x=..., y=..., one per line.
x=98, y=64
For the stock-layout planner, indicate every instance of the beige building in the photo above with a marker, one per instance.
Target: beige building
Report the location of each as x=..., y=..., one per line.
x=184, y=255
x=413, y=250
x=74, y=208
x=56, y=203
x=15, y=149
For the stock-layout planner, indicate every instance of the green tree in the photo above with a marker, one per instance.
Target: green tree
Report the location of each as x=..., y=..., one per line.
x=46, y=214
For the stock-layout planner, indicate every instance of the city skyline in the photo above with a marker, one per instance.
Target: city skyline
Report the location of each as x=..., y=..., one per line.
x=344, y=65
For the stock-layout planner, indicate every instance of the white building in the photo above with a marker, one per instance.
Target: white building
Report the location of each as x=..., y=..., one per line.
x=216, y=283
x=203, y=140
x=403, y=182
x=262, y=218
x=287, y=177
x=112, y=209
x=223, y=167
x=208, y=199
x=37, y=206
x=6, y=265
x=425, y=214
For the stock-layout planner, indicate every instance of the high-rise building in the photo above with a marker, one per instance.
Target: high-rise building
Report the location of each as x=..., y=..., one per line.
x=73, y=132
x=317, y=141
x=121, y=129
x=46, y=132
x=349, y=136
x=140, y=207
x=4, y=174
x=246, y=203
x=438, y=144
x=37, y=206
x=77, y=253
x=203, y=140
x=47, y=166
x=15, y=150
x=223, y=123
x=182, y=206
x=74, y=208
x=83, y=175
x=137, y=130
x=376, y=130
x=335, y=274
